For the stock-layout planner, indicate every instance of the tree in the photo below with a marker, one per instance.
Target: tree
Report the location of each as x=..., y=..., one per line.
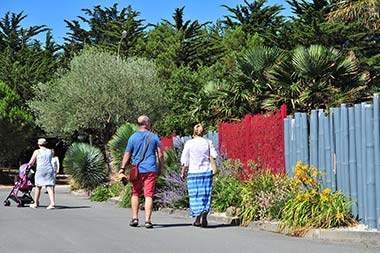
x=15, y=124
x=24, y=62
x=97, y=94
x=255, y=18
x=366, y=37
x=367, y=12
x=188, y=101
x=315, y=77
x=106, y=26
x=244, y=91
x=182, y=43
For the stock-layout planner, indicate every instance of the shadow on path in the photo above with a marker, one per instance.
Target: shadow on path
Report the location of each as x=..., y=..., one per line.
x=191, y=225
x=71, y=207
x=172, y=225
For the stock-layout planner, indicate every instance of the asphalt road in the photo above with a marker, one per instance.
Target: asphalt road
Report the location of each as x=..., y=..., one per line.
x=79, y=225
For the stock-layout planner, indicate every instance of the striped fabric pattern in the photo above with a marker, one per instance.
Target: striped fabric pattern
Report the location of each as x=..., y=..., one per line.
x=199, y=186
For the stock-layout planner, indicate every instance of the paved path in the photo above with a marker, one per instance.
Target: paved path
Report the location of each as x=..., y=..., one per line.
x=79, y=225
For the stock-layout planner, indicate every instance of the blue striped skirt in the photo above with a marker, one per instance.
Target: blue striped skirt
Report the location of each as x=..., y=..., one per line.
x=199, y=187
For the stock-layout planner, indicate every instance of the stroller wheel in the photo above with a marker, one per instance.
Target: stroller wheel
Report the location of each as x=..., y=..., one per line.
x=6, y=203
x=20, y=204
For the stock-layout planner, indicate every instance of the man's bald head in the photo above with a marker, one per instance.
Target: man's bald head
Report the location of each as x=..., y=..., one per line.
x=143, y=120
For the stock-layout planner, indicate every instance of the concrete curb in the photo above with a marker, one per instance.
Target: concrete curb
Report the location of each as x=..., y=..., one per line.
x=369, y=239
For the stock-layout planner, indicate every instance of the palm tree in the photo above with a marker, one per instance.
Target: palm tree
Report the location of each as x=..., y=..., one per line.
x=248, y=86
x=366, y=11
x=315, y=77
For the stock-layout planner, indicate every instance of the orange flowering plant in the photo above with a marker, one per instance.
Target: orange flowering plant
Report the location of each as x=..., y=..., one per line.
x=312, y=206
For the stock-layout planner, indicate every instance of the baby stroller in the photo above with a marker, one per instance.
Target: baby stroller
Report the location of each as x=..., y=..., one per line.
x=20, y=193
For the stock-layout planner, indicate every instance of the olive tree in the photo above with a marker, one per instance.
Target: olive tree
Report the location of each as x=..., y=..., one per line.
x=97, y=94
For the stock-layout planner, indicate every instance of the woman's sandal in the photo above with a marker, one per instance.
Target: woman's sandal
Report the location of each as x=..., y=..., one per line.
x=196, y=224
x=204, y=223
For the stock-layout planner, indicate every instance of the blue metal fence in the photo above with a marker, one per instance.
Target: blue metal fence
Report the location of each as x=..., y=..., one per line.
x=345, y=146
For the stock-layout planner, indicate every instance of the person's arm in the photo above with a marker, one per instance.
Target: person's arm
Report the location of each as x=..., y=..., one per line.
x=33, y=158
x=126, y=157
x=160, y=155
x=185, y=160
x=58, y=165
x=183, y=172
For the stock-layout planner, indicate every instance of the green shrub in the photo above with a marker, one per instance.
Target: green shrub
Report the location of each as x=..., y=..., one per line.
x=126, y=197
x=85, y=164
x=263, y=196
x=102, y=193
x=117, y=189
x=227, y=186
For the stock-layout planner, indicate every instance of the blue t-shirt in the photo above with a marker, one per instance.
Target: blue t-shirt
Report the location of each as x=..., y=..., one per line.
x=136, y=145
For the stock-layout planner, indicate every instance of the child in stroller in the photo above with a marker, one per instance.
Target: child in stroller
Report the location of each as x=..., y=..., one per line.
x=23, y=184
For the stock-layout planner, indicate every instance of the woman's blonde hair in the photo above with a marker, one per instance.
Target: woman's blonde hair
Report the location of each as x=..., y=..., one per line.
x=198, y=130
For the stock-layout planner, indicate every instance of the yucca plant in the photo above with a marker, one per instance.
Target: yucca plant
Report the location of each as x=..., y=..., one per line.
x=85, y=164
x=119, y=142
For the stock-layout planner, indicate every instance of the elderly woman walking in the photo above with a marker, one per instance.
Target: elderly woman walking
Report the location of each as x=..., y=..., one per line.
x=45, y=175
x=195, y=161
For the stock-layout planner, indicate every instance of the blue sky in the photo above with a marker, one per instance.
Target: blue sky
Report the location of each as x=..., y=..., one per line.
x=53, y=12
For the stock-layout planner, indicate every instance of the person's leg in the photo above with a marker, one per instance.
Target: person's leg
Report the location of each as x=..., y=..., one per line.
x=136, y=191
x=148, y=208
x=135, y=207
x=149, y=180
x=50, y=190
x=37, y=193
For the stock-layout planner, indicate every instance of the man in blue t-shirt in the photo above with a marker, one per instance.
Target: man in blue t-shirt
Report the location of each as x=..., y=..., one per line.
x=147, y=167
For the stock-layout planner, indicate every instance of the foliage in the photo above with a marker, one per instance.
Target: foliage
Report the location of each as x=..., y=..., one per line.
x=365, y=11
x=256, y=18
x=16, y=127
x=315, y=77
x=105, y=192
x=126, y=197
x=174, y=192
x=101, y=193
x=11, y=108
x=23, y=61
x=170, y=158
x=116, y=189
x=85, y=164
x=227, y=186
x=249, y=85
x=311, y=206
x=119, y=142
x=97, y=95
x=263, y=196
x=104, y=27
x=187, y=94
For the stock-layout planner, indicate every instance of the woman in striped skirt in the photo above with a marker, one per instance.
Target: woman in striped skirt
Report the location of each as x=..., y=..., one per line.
x=195, y=161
